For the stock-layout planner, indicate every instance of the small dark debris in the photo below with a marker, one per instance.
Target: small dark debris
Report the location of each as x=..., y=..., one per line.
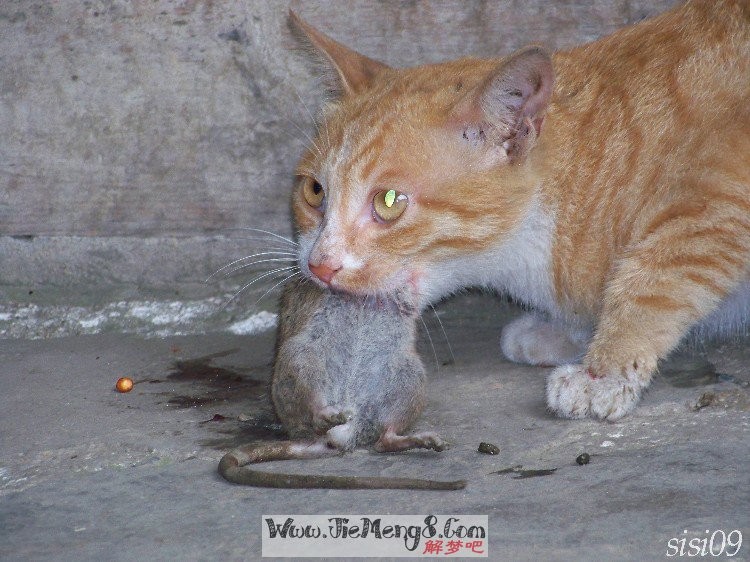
x=13, y=18
x=583, y=458
x=533, y=473
x=510, y=470
x=488, y=449
x=236, y=35
x=706, y=399
x=74, y=77
x=216, y=418
x=31, y=292
x=179, y=22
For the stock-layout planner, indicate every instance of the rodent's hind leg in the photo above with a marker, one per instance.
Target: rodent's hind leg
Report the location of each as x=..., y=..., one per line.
x=329, y=417
x=392, y=442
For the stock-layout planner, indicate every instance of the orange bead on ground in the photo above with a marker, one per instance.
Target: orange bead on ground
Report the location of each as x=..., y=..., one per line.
x=124, y=384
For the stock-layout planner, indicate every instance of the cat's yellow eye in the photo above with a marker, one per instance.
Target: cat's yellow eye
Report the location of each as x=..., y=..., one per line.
x=313, y=193
x=389, y=205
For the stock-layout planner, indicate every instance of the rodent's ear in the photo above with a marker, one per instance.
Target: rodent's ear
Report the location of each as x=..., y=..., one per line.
x=355, y=71
x=509, y=105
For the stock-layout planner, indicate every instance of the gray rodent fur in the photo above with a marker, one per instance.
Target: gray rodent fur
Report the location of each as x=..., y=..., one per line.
x=346, y=375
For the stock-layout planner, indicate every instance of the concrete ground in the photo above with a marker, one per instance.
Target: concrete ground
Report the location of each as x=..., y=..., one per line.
x=90, y=474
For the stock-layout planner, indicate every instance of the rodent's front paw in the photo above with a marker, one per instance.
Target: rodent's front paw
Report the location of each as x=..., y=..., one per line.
x=329, y=418
x=573, y=393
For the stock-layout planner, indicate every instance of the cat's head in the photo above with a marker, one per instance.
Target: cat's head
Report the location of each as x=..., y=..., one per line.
x=414, y=168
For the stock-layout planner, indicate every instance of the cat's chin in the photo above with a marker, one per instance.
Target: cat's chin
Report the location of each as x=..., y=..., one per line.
x=402, y=293
x=341, y=288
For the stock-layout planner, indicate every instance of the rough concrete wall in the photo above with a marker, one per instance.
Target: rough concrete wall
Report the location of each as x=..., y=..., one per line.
x=135, y=134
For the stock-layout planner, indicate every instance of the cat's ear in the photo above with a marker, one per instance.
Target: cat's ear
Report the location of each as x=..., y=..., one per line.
x=355, y=72
x=508, y=107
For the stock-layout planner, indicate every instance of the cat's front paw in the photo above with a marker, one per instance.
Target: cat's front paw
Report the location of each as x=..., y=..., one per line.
x=574, y=393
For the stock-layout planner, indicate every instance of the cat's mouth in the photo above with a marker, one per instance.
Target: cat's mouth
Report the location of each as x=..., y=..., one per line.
x=401, y=286
x=340, y=268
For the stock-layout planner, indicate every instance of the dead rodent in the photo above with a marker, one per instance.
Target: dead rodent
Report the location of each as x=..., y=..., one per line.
x=346, y=375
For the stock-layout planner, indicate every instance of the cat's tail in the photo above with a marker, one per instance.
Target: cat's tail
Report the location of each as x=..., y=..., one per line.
x=232, y=468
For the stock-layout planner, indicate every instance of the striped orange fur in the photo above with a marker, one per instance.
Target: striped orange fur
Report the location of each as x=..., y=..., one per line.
x=607, y=186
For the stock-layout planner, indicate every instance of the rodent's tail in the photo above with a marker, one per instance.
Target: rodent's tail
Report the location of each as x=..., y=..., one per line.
x=232, y=468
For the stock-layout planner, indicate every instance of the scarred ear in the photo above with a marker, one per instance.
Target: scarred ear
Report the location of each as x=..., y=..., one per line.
x=355, y=71
x=508, y=108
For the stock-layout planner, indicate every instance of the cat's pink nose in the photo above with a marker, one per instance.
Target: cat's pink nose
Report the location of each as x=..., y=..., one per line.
x=323, y=272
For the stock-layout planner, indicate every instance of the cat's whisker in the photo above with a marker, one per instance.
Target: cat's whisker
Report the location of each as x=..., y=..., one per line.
x=267, y=248
x=309, y=114
x=297, y=126
x=290, y=261
x=285, y=239
x=328, y=132
x=278, y=253
x=312, y=118
x=432, y=345
x=296, y=138
x=284, y=280
x=268, y=243
x=275, y=271
x=307, y=136
x=445, y=335
x=262, y=287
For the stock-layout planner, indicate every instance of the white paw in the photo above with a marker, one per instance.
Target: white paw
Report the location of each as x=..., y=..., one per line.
x=341, y=437
x=530, y=339
x=572, y=393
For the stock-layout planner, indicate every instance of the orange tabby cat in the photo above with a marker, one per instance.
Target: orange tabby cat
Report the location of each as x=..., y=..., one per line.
x=607, y=187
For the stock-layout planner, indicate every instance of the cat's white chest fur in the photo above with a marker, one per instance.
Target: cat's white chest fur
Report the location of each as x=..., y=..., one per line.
x=519, y=266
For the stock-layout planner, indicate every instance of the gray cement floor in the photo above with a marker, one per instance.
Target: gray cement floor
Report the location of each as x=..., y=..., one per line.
x=90, y=474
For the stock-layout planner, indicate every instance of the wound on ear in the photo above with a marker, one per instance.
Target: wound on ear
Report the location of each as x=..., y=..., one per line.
x=515, y=96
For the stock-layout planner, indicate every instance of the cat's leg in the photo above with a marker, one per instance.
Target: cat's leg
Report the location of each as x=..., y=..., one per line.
x=664, y=285
x=532, y=339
